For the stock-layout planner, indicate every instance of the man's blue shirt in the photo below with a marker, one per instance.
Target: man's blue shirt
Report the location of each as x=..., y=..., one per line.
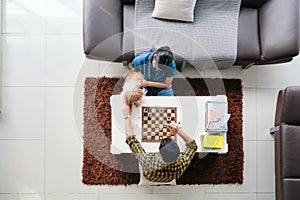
x=143, y=63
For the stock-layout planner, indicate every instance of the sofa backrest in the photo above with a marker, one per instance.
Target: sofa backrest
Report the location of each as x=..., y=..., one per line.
x=253, y=3
x=245, y=3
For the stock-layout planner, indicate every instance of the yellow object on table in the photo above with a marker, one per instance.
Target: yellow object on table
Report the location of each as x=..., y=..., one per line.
x=213, y=141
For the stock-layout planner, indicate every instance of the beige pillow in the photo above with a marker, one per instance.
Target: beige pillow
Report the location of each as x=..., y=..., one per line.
x=182, y=10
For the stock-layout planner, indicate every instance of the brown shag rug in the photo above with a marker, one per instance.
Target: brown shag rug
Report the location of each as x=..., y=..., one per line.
x=100, y=167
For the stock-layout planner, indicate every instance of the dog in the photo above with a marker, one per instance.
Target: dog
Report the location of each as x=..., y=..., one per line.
x=132, y=89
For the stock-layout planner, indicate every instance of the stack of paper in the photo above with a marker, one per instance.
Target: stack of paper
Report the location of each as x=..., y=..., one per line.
x=216, y=116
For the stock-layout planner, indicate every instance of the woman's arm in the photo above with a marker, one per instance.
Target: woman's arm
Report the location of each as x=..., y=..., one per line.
x=166, y=84
x=127, y=120
x=130, y=75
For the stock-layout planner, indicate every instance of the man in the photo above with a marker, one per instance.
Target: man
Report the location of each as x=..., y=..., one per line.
x=169, y=163
x=158, y=68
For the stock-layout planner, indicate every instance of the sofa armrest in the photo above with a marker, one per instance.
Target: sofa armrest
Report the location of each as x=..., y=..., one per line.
x=102, y=19
x=290, y=114
x=279, y=29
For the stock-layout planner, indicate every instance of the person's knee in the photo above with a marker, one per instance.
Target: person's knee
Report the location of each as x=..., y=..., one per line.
x=152, y=91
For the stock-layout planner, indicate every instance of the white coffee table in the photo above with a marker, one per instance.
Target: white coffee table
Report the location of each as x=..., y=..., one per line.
x=190, y=112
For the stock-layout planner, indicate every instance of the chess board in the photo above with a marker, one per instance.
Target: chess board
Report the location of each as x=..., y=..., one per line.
x=153, y=123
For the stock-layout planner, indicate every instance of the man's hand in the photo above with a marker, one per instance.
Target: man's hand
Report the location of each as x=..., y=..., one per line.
x=173, y=127
x=126, y=109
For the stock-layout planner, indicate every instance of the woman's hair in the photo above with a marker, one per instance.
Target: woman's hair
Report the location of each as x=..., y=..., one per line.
x=133, y=96
x=169, y=150
x=163, y=57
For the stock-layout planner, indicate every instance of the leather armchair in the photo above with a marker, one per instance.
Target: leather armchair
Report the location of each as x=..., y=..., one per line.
x=268, y=30
x=287, y=144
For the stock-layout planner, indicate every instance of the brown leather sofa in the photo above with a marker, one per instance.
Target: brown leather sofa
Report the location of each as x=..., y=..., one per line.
x=287, y=144
x=268, y=30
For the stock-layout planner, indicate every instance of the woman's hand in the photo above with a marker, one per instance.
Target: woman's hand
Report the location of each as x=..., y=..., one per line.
x=144, y=83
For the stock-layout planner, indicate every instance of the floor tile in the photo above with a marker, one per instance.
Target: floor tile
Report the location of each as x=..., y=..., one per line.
x=130, y=189
x=181, y=196
x=265, y=166
x=1, y=97
x=23, y=114
x=180, y=192
x=63, y=167
x=236, y=72
x=22, y=166
x=228, y=196
x=24, y=16
x=77, y=111
x=194, y=195
x=21, y=196
x=279, y=75
x=249, y=184
x=191, y=72
x=266, y=106
x=64, y=59
x=96, y=68
x=265, y=196
x=125, y=196
x=249, y=114
x=167, y=197
x=179, y=189
x=62, y=12
x=114, y=69
x=71, y=196
x=60, y=122
x=24, y=60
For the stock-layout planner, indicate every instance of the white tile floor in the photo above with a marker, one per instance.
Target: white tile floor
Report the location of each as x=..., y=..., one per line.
x=40, y=147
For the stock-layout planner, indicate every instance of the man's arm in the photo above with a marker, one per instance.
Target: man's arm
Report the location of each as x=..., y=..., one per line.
x=174, y=127
x=187, y=139
x=190, y=143
x=133, y=143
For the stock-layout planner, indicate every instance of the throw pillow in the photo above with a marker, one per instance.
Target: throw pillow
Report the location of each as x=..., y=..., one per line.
x=182, y=10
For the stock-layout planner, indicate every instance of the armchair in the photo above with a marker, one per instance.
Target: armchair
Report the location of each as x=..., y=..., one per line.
x=267, y=32
x=287, y=148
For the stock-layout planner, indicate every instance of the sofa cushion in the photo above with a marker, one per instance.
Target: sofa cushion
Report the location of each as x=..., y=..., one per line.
x=102, y=20
x=289, y=150
x=291, y=189
x=248, y=39
x=279, y=29
x=182, y=10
